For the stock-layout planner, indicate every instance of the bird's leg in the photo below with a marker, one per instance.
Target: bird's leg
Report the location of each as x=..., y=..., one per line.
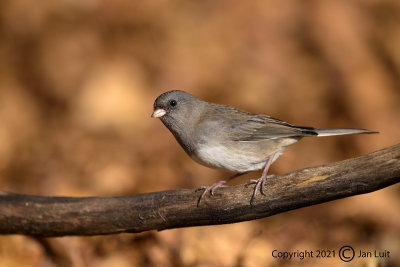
x=261, y=181
x=212, y=188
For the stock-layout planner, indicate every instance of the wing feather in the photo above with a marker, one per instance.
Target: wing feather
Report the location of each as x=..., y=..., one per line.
x=239, y=125
x=261, y=127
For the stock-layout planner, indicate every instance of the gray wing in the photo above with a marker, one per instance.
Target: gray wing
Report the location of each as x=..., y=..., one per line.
x=261, y=127
x=239, y=125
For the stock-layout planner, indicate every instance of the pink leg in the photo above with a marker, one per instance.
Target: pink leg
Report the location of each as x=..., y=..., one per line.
x=261, y=181
x=211, y=188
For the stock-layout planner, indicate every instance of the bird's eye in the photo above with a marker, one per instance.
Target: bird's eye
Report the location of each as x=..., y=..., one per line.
x=172, y=103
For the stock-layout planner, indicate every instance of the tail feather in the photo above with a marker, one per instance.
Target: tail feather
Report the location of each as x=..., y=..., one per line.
x=341, y=131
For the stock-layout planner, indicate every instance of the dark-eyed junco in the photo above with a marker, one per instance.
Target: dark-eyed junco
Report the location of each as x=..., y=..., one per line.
x=230, y=139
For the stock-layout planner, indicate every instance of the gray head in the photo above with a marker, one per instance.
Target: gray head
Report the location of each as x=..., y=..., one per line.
x=178, y=111
x=171, y=103
x=176, y=108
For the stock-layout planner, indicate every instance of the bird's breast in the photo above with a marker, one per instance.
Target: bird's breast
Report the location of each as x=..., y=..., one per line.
x=229, y=158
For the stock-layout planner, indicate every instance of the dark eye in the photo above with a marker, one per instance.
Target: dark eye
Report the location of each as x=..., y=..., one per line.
x=172, y=103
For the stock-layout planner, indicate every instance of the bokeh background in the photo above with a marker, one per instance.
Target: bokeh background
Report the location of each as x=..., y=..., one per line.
x=77, y=84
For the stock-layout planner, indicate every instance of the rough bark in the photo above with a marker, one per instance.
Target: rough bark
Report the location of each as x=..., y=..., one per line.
x=59, y=216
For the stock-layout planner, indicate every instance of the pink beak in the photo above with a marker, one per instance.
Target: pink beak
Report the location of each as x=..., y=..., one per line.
x=158, y=113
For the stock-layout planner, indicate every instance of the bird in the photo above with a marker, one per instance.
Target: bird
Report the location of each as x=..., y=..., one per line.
x=226, y=138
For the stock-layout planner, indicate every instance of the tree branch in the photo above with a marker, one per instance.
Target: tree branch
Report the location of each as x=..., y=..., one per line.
x=59, y=216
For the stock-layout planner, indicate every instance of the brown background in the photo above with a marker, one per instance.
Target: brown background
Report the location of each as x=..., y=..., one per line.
x=77, y=84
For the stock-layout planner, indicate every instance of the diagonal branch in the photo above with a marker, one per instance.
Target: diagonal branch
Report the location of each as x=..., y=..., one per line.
x=58, y=216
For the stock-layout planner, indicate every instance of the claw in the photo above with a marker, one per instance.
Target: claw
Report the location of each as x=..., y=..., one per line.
x=260, y=182
x=200, y=188
x=256, y=187
x=201, y=197
x=215, y=187
x=212, y=188
x=252, y=181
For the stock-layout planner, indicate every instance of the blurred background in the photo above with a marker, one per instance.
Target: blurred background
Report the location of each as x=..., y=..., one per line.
x=78, y=80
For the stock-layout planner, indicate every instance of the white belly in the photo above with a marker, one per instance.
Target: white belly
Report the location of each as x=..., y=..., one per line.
x=218, y=156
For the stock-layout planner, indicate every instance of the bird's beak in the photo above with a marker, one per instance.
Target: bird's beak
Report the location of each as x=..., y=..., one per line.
x=158, y=113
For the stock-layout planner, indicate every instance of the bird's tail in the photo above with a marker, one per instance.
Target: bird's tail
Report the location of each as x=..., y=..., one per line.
x=341, y=131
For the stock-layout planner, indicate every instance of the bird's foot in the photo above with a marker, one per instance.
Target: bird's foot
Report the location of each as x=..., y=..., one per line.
x=210, y=189
x=259, y=184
